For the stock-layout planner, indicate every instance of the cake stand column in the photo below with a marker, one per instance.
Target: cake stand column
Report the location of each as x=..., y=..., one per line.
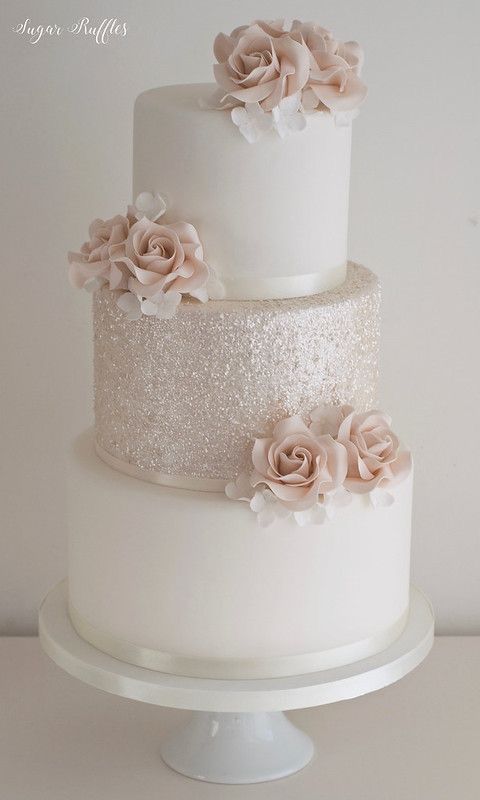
x=237, y=748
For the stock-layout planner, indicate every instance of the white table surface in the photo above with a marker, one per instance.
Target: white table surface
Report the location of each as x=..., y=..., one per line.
x=416, y=740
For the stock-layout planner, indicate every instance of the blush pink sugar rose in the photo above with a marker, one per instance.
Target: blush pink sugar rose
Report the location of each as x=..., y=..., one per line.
x=297, y=466
x=93, y=262
x=375, y=458
x=256, y=67
x=162, y=259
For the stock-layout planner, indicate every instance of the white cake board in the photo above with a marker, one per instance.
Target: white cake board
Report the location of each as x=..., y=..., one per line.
x=238, y=733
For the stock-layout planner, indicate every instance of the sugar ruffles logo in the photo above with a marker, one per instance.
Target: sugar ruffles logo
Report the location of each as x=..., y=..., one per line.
x=100, y=31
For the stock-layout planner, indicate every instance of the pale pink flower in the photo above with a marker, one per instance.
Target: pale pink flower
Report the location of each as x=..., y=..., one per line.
x=334, y=82
x=375, y=458
x=297, y=466
x=93, y=263
x=261, y=64
x=163, y=259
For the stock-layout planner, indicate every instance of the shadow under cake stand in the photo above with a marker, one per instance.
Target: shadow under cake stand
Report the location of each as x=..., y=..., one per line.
x=238, y=732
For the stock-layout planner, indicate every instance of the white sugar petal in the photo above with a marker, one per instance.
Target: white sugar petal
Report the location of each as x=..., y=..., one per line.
x=249, y=133
x=297, y=122
x=251, y=120
x=264, y=123
x=130, y=304
x=231, y=490
x=289, y=105
x=254, y=111
x=266, y=518
x=342, y=498
x=319, y=515
x=172, y=298
x=310, y=100
x=149, y=308
x=269, y=496
x=380, y=498
x=167, y=305
x=257, y=503
x=144, y=201
x=151, y=206
x=215, y=287
x=281, y=511
x=200, y=294
x=329, y=510
x=92, y=284
x=302, y=518
x=239, y=489
x=239, y=115
x=276, y=114
x=281, y=127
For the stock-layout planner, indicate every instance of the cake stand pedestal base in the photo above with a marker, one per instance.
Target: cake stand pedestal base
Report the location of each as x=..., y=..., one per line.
x=237, y=733
x=237, y=748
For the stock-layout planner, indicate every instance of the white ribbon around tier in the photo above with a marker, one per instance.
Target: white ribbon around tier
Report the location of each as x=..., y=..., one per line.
x=236, y=668
x=255, y=287
x=161, y=478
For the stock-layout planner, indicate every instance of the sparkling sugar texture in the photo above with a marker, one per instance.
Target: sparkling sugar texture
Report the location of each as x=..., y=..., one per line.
x=186, y=396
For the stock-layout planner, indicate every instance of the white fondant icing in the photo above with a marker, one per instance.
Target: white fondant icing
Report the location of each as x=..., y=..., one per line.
x=271, y=212
x=192, y=574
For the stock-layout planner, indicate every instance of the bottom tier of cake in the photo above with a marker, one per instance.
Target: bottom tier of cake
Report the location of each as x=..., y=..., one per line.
x=188, y=583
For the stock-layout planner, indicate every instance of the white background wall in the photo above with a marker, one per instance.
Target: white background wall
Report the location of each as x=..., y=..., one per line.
x=66, y=157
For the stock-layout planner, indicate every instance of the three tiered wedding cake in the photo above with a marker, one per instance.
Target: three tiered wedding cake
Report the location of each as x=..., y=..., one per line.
x=240, y=510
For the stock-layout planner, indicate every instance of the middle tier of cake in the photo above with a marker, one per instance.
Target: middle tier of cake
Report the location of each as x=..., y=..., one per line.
x=179, y=401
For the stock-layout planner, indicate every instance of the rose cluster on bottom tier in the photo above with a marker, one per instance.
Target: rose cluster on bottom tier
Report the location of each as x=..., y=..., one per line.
x=310, y=468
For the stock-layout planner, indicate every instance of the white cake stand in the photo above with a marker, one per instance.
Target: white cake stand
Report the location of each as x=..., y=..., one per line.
x=238, y=732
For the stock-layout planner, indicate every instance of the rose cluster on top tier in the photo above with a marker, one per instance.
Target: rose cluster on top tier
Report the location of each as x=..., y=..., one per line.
x=309, y=469
x=275, y=73
x=150, y=266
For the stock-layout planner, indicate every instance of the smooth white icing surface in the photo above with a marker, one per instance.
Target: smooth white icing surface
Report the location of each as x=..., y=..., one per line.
x=272, y=215
x=192, y=574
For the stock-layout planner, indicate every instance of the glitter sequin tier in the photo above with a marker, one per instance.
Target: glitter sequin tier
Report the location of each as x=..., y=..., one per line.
x=185, y=396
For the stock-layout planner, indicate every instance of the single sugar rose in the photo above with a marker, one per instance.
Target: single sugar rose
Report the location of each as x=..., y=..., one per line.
x=297, y=466
x=256, y=66
x=374, y=455
x=93, y=262
x=335, y=67
x=163, y=259
x=334, y=80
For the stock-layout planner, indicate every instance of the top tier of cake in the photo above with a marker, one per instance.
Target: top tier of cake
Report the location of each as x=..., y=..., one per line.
x=272, y=216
